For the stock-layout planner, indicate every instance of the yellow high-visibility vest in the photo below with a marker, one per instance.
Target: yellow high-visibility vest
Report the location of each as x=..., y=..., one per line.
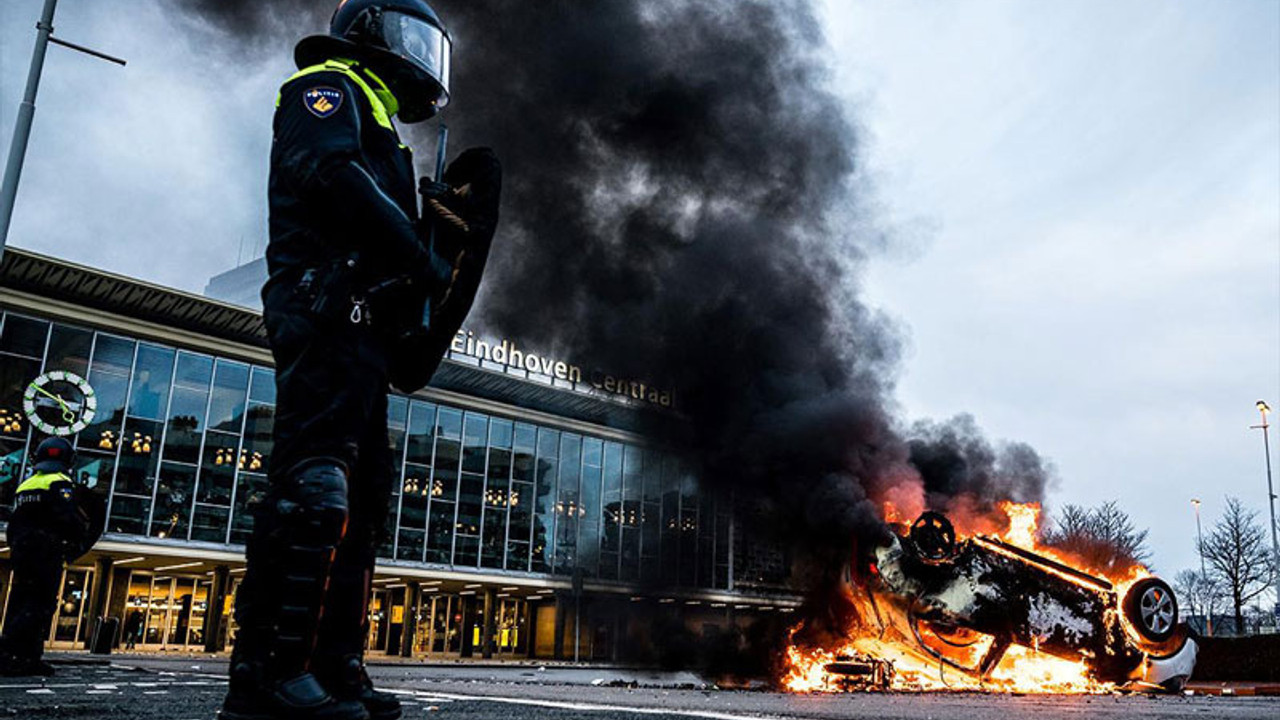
x=42, y=481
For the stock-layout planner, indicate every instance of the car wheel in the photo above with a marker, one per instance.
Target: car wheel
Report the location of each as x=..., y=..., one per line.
x=1152, y=609
x=934, y=536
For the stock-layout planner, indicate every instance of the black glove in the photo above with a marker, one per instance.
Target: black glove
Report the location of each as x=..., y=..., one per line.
x=432, y=190
x=463, y=210
x=464, y=205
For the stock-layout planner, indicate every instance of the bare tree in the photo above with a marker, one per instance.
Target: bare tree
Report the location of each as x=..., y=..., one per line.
x=1200, y=594
x=1103, y=537
x=1239, y=556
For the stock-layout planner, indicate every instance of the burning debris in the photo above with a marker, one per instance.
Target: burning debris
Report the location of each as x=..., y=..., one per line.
x=997, y=612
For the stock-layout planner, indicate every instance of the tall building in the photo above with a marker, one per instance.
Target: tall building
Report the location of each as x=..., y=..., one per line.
x=530, y=519
x=240, y=285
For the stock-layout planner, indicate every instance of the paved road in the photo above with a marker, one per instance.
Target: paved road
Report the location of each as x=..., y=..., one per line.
x=191, y=688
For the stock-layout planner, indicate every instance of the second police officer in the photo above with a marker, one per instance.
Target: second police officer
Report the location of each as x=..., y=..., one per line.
x=54, y=521
x=353, y=264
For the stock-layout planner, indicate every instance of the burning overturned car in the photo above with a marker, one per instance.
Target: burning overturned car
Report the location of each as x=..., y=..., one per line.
x=993, y=612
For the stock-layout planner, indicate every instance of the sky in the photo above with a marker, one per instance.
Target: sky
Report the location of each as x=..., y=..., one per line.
x=1083, y=199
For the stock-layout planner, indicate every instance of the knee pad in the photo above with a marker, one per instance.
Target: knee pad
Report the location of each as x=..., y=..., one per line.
x=312, y=504
x=304, y=520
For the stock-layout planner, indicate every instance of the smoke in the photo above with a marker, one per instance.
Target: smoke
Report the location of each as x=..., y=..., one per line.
x=684, y=206
x=675, y=171
x=958, y=465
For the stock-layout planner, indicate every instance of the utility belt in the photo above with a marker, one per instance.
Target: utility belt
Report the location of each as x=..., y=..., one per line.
x=339, y=292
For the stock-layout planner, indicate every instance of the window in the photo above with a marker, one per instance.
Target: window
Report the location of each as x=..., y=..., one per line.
x=589, y=506
x=251, y=488
x=497, y=494
x=522, y=496
x=69, y=349
x=15, y=374
x=152, y=374
x=217, y=470
x=109, y=376
x=568, y=506
x=24, y=336
x=172, y=514
x=226, y=406
x=547, y=466
x=415, y=495
x=262, y=386
x=611, y=512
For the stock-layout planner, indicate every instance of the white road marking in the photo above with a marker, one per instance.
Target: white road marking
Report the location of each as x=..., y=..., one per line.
x=590, y=707
x=41, y=691
x=417, y=694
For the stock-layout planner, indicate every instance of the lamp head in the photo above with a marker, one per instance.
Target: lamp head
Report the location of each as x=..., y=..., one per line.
x=1263, y=407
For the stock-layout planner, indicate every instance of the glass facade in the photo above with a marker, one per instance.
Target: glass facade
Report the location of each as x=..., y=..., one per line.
x=181, y=442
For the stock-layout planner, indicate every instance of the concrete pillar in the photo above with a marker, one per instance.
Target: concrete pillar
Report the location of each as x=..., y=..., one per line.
x=486, y=635
x=213, y=611
x=99, y=595
x=409, y=629
x=469, y=609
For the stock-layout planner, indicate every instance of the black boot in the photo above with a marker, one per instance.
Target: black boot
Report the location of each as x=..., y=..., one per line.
x=347, y=680
x=254, y=696
x=23, y=666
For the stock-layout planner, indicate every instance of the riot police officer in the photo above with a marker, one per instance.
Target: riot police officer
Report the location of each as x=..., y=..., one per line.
x=358, y=277
x=48, y=527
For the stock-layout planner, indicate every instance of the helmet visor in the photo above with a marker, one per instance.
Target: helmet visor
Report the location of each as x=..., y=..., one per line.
x=421, y=43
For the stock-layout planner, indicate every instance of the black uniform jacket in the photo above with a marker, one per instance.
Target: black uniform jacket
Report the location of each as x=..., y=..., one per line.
x=341, y=186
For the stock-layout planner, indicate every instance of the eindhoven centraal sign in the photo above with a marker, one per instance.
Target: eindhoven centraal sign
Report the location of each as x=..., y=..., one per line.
x=506, y=353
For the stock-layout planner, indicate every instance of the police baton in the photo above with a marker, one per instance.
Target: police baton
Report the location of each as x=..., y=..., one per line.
x=442, y=149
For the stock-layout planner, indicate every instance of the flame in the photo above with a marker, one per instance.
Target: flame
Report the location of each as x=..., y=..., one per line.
x=1024, y=523
x=1022, y=669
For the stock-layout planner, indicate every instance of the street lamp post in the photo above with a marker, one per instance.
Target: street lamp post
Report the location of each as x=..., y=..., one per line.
x=27, y=111
x=1204, y=576
x=1271, y=504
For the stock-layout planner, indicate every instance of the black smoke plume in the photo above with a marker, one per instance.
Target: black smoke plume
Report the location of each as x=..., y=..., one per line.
x=684, y=205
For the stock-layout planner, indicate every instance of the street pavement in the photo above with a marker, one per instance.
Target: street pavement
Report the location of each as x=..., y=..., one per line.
x=191, y=687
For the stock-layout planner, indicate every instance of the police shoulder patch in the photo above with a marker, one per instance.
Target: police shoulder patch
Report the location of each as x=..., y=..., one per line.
x=323, y=100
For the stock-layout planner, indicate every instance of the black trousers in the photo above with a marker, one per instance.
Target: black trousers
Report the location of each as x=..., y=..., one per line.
x=331, y=402
x=38, y=554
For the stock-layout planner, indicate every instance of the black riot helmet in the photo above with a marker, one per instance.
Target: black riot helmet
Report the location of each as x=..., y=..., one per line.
x=402, y=41
x=54, y=455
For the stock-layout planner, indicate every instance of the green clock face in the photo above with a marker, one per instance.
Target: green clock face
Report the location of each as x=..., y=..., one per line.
x=59, y=403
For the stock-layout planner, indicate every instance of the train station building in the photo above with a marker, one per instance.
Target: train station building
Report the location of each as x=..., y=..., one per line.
x=531, y=519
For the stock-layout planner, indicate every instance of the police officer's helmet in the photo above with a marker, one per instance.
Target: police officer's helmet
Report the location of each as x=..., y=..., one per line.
x=403, y=41
x=54, y=455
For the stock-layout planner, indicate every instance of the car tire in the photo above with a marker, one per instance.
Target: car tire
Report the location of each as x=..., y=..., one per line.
x=1152, y=609
x=934, y=537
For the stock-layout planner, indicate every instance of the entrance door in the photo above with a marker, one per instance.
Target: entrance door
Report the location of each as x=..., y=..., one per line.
x=448, y=640
x=70, y=624
x=158, y=607
x=199, y=608
x=165, y=613
x=180, y=610
x=379, y=607
x=511, y=627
